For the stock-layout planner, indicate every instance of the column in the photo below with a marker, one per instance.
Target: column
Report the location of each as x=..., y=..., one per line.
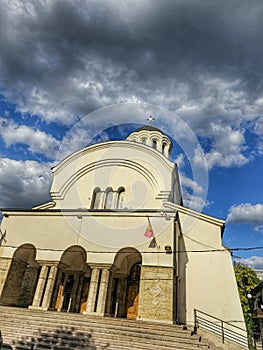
x=72, y=302
x=102, y=298
x=49, y=287
x=78, y=294
x=93, y=289
x=55, y=298
x=40, y=288
x=62, y=295
x=109, y=294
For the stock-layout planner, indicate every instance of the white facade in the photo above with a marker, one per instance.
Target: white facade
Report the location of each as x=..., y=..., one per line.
x=85, y=251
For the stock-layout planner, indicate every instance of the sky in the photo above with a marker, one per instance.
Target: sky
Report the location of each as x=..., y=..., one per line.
x=201, y=61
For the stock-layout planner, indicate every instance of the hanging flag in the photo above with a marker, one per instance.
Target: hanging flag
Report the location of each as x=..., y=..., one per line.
x=149, y=231
x=153, y=243
x=2, y=238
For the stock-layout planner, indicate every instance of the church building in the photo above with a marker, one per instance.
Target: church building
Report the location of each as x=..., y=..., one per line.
x=116, y=241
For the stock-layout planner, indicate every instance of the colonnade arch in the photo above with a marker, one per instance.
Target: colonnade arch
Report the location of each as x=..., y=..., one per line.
x=72, y=281
x=124, y=300
x=71, y=284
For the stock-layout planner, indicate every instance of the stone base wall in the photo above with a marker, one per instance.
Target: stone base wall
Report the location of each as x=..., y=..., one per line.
x=156, y=294
x=4, y=269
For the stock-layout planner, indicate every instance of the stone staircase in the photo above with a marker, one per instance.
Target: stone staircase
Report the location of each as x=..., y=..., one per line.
x=24, y=329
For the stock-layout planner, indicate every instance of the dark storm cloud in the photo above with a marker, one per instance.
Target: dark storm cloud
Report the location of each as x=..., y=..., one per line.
x=19, y=179
x=203, y=58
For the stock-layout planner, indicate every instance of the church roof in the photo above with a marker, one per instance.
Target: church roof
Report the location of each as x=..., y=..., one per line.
x=149, y=128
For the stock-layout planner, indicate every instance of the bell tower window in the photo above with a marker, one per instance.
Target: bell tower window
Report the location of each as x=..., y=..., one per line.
x=163, y=147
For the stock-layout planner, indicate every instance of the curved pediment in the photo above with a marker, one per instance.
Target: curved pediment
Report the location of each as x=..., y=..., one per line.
x=143, y=172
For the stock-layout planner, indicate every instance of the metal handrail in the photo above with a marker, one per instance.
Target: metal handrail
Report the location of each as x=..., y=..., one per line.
x=219, y=327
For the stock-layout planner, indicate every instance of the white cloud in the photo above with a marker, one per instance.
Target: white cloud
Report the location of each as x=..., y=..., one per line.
x=24, y=183
x=227, y=147
x=180, y=161
x=194, y=202
x=255, y=262
x=246, y=213
x=258, y=126
x=191, y=184
x=36, y=140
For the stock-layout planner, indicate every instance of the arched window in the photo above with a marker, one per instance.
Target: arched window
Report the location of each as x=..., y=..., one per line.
x=96, y=198
x=120, y=198
x=154, y=144
x=108, y=198
x=144, y=141
x=163, y=147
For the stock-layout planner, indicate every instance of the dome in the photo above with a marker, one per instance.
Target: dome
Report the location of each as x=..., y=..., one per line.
x=154, y=137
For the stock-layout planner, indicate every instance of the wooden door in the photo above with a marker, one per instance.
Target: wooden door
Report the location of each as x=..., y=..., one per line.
x=58, y=301
x=132, y=300
x=84, y=295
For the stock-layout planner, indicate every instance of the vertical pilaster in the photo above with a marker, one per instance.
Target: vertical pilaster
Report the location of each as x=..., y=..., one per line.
x=4, y=269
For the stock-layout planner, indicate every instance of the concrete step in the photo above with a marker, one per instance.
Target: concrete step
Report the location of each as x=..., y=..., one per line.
x=69, y=335
x=26, y=329
x=98, y=333
x=17, y=321
x=72, y=317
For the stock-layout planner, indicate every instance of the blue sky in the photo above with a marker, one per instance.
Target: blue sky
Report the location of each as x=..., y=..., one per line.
x=202, y=61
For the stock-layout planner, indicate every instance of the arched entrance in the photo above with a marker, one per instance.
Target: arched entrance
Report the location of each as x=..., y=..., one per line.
x=73, y=279
x=22, y=278
x=126, y=283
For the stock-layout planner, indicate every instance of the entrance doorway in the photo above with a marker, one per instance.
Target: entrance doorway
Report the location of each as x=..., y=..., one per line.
x=133, y=287
x=125, y=289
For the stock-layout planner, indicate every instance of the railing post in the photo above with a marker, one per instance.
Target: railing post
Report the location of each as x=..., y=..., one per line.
x=223, y=334
x=195, y=321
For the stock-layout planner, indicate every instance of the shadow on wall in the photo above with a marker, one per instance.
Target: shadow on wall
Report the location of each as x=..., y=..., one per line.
x=58, y=339
x=181, y=287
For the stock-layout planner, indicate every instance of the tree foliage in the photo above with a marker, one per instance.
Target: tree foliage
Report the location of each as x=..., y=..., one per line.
x=246, y=280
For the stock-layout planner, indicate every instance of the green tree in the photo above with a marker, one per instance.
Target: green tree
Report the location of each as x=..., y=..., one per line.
x=246, y=280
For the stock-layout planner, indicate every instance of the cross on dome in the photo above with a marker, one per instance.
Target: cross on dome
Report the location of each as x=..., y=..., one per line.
x=150, y=120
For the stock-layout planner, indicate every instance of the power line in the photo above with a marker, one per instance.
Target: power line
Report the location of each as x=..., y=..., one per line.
x=143, y=252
